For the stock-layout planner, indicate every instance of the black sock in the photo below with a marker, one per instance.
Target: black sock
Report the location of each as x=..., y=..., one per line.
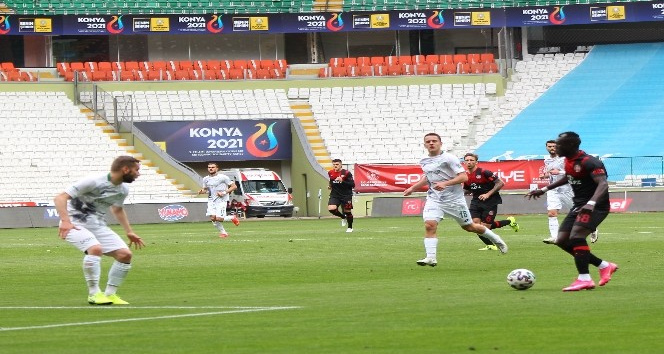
x=499, y=224
x=581, y=254
x=336, y=212
x=349, y=218
x=485, y=240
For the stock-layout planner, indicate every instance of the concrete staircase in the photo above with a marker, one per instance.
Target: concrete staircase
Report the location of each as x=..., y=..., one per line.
x=302, y=111
x=131, y=150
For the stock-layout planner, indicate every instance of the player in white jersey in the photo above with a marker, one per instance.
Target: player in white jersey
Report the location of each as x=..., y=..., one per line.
x=218, y=187
x=559, y=198
x=82, y=209
x=445, y=176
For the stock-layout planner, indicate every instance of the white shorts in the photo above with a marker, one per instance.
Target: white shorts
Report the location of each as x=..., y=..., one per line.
x=217, y=207
x=89, y=235
x=559, y=200
x=458, y=211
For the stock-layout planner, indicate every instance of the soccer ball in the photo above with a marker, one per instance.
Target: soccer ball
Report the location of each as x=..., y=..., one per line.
x=521, y=279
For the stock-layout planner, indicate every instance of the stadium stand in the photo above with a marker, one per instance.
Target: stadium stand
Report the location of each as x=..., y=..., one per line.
x=48, y=142
x=611, y=114
x=174, y=70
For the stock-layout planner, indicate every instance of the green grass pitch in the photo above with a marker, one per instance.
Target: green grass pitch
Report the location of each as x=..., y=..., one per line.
x=306, y=286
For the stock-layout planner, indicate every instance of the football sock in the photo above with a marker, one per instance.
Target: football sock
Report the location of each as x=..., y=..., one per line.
x=92, y=272
x=584, y=277
x=553, y=226
x=581, y=254
x=116, y=275
x=492, y=236
x=431, y=246
x=499, y=224
x=603, y=265
x=336, y=212
x=485, y=240
x=219, y=226
x=228, y=218
x=349, y=219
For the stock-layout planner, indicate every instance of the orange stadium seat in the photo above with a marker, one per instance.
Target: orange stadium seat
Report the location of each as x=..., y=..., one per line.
x=459, y=58
x=268, y=64
x=8, y=66
x=490, y=67
x=282, y=64
x=212, y=64
x=366, y=71
x=435, y=69
x=405, y=59
x=421, y=69
x=476, y=68
x=364, y=61
x=117, y=65
x=276, y=73
x=254, y=64
x=185, y=65
x=379, y=70
x=377, y=60
x=263, y=74
x=445, y=59
x=236, y=74
x=323, y=72
x=473, y=58
x=91, y=66
x=394, y=70
x=63, y=68
x=463, y=68
x=98, y=75
x=77, y=66
x=105, y=66
x=449, y=69
x=431, y=59
x=200, y=64
x=407, y=69
x=352, y=71
x=226, y=64
x=131, y=66
x=240, y=64
x=350, y=61
x=158, y=65
x=391, y=60
x=487, y=58
x=338, y=72
x=182, y=75
x=127, y=76
x=153, y=75
x=336, y=62
x=222, y=74
x=418, y=59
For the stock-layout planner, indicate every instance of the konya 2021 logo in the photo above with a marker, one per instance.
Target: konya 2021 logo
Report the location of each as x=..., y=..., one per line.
x=335, y=23
x=557, y=17
x=115, y=26
x=215, y=25
x=4, y=25
x=436, y=20
x=263, y=143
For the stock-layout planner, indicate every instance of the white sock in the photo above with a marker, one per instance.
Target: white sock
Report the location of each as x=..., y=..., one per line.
x=584, y=277
x=603, y=265
x=431, y=246
x=116, y=275
x=92, y=272
x=228, y=218
x=493, y=236
x=553, y=226
x=219, y=226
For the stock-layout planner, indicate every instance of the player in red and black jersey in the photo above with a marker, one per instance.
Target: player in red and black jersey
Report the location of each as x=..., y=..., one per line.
x=588, y=178
x=484, y=186
x=341, y=194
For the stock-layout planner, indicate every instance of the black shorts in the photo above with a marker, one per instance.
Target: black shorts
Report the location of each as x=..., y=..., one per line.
x=588, y=221
x=345, y=202
x=483, y=211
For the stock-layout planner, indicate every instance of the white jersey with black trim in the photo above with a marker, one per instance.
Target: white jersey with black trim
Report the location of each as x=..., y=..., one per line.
x=217, y=183
x=556, y=163
x=443, y=167
x=92, y=196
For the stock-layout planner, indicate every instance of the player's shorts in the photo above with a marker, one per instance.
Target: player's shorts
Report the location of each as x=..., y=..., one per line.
x=588, y=221
x=559, y=199
x=457, y=210
x=483, y=211
x=345, y=202
x=216, y=207
x=89, y=235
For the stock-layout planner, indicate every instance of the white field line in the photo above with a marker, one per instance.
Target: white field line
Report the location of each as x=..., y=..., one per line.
x=71, y=324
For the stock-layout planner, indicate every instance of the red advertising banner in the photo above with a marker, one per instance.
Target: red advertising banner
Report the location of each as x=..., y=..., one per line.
x=396, y=178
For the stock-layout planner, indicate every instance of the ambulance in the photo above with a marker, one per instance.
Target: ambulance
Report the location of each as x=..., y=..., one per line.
x=259, y=193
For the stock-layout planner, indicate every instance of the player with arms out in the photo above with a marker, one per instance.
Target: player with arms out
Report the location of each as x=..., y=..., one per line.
x=218, y=187
x=485, y=185
x=341, y=194
x=445, y=175
x=559, y=198
x=82, y=208
x=588, y=178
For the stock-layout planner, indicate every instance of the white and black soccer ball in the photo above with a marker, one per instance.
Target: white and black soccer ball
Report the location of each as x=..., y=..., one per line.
x=521, y=279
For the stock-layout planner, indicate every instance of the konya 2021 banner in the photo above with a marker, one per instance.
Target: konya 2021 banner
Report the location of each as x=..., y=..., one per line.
x=222, y=140
x=217, y=24
x=389, y=178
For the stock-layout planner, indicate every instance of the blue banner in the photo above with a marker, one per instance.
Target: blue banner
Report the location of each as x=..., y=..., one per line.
x=331, y=21
x=222, y=140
